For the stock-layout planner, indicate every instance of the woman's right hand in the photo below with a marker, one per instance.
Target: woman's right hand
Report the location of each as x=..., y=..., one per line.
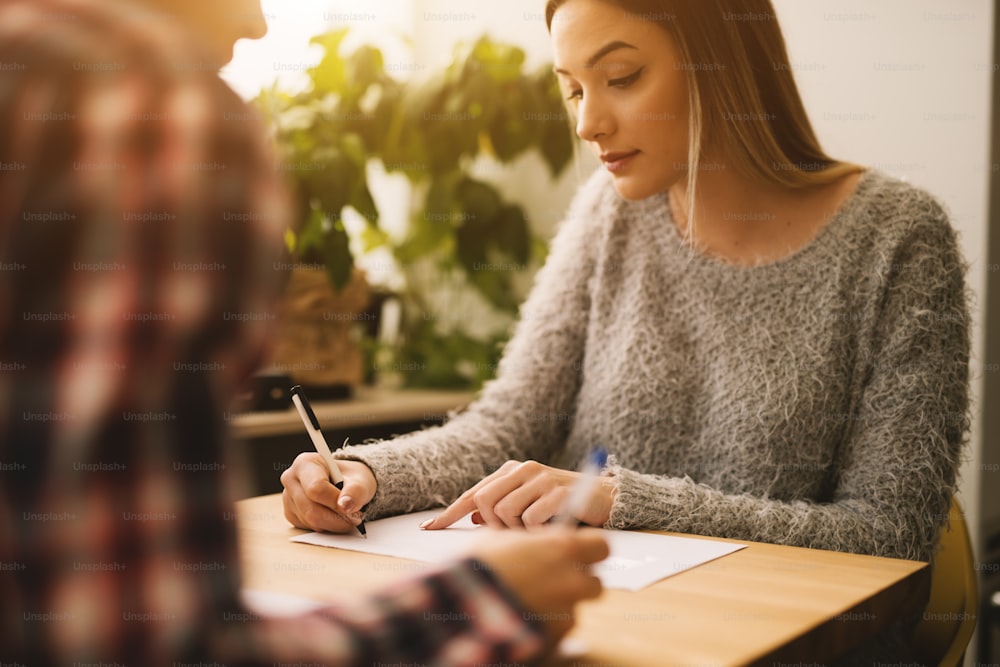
x=311, y=500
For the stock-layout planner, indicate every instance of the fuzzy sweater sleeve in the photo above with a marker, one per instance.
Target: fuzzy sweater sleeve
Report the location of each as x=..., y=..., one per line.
x=895, y=469
x=527, y=411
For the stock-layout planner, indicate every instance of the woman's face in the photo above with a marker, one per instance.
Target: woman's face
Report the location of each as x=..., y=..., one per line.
x=625, y=84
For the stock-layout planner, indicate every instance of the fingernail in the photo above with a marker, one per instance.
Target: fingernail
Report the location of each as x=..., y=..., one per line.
x=477, y=519
x=426, y=523
x=345, y=503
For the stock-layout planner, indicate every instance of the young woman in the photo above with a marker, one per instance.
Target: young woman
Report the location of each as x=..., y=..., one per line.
x=771, y=343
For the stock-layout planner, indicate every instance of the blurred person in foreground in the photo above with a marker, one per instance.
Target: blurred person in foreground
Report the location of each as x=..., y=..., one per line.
x=139, y=219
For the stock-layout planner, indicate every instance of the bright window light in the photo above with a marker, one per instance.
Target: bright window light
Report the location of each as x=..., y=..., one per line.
x=285, y=53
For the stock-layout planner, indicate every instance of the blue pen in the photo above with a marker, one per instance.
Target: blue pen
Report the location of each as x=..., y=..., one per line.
x=319, y=442
x=579, y=495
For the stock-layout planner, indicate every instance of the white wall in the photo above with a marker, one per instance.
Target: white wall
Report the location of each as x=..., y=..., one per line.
x=284, y=53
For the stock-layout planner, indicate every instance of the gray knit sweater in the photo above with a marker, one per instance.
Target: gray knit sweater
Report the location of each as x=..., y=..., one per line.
x=818, y=401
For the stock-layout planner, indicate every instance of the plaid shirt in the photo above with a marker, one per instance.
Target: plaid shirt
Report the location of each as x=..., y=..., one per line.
x=139, y=220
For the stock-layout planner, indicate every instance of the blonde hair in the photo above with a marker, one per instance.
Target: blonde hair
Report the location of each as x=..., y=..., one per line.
x=743, y=99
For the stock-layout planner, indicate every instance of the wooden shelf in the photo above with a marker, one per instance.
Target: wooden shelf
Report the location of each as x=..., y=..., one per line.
x=369, y=407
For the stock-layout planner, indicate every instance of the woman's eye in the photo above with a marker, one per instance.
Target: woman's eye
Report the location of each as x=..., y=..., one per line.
x=575, y=94
x=626, y=81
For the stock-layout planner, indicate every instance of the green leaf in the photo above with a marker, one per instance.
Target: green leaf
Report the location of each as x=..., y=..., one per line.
x=337, y=256
x=373, y=237
x=502, y=62
x=471, y=246
x=329, y=75
x=297, y=118
x=509, y=133
x=373, y=115
x=480, y=202
x=475, y=100
x=365, y=67
x=436, y=358
x=309, y=239
x=364, y=204
x=539, y=250
x=555, y=137
x=324, y=241
x=330, y=178
x=429, y=236
x=494, y=285
x=440, y=202
x=353, y=147
x=513, y=234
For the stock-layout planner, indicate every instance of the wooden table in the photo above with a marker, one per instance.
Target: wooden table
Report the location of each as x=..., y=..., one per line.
x=763, y=605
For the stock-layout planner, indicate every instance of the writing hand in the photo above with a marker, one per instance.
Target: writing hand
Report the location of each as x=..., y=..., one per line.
x=523, y=494
x=311, y=501
x=549, y=571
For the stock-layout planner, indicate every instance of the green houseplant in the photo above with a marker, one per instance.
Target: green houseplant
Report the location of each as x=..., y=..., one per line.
x=431, y=130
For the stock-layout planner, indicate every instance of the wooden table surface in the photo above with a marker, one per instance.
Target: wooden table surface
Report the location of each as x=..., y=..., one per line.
x=762, y=605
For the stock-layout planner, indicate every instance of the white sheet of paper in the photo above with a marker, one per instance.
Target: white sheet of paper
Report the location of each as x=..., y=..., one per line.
x=636, y=561
x=269, y=603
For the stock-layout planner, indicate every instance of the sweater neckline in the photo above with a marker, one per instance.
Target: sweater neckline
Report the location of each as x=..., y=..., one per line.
x=810, y=248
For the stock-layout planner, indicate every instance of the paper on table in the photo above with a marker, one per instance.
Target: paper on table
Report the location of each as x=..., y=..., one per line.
x=637, y=559
x=269, y=603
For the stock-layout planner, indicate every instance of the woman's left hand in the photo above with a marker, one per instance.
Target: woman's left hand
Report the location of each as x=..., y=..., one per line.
x=524, y=494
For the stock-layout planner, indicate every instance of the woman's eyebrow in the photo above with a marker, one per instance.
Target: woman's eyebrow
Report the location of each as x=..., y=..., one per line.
x=600, y=53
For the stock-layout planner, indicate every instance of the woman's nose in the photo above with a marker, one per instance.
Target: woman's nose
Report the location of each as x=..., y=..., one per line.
x=593, y=120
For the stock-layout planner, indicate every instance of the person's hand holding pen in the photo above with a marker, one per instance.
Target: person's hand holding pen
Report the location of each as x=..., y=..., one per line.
x=549, y=571
x=543, y=583
x=320, y=492
x=310, y=501
x=528, y=493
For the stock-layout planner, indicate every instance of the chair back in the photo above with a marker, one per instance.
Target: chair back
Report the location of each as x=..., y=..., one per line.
x=949, y=619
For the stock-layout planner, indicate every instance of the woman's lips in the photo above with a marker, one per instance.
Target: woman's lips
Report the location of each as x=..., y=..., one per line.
x=617, y=161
